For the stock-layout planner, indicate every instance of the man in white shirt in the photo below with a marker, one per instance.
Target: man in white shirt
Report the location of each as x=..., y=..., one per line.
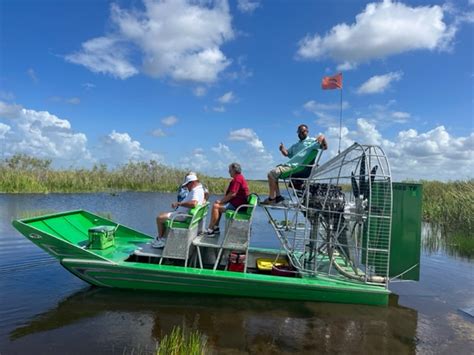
x=194, y=197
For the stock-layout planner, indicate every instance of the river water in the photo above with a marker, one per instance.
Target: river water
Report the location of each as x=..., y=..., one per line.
x=46, y=310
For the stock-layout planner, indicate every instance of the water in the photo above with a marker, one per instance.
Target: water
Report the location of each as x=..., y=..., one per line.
x=44, y=309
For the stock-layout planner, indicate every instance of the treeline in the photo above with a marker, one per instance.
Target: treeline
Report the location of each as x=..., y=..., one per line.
x=24, y=174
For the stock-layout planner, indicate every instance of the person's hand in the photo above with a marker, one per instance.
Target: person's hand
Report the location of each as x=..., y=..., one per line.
x=322, y=140
x=218, y=202
x=174, y=204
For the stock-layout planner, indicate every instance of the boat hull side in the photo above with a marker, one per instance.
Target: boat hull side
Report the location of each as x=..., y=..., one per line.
x=163, y=278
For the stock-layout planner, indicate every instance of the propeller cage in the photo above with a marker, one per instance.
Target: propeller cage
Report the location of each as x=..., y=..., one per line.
x=340, y=222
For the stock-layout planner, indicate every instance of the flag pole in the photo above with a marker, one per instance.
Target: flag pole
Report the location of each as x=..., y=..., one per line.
x=340, y=126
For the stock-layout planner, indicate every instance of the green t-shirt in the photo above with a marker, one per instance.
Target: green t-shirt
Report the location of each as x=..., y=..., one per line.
x=299, y=151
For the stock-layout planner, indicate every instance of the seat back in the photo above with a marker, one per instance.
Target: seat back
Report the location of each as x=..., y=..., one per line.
x=303, y=170
x=195, y=215
x=246, y=211
x=180, y=235
x=238, y=226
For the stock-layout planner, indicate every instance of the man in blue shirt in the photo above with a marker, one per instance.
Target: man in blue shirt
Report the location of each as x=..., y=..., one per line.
x=298, y=154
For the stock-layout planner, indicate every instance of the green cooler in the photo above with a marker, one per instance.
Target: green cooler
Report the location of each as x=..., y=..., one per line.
x=101, y=237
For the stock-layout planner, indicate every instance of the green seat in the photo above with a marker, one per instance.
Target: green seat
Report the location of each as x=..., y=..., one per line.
x=195, y=215
x=305, y=166
x=243, y=215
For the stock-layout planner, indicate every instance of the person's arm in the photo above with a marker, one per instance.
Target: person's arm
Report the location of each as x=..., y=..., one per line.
x=231, y=192
x=283, y=150
x=187, y=204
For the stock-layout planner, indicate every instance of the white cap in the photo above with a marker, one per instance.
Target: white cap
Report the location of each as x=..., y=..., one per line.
x=189, y=178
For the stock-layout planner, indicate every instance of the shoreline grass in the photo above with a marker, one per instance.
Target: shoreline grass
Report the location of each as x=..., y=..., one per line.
x=447, y=204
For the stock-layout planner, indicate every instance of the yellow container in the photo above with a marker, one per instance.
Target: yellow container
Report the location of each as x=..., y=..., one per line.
x=265, y=264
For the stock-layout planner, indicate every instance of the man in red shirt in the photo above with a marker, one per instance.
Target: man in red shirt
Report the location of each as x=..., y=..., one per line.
x=236, y=195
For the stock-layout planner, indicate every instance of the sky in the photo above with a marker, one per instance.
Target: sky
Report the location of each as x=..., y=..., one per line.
x=200, y=84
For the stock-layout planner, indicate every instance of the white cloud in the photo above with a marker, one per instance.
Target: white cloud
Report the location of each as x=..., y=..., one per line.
x=227, y=98
x=327, y=114
x=249, y=136
x=199, y=91
x=248, y=6
x=401, y=116
x=379, y=83
x=158, y=133
x=32, y=74
x=119, y=148
x=4, y=130
x=42, y=134
x=104, y=55
x=432, y=155
x=170, y=120
x=381, y=30
x=179, y=39
x=256, y=160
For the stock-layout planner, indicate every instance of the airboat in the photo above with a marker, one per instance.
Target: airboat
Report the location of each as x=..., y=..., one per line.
x=344, y=233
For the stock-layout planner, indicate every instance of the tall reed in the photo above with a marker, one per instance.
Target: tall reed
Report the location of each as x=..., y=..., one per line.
x=178, y=342
x=450, y=205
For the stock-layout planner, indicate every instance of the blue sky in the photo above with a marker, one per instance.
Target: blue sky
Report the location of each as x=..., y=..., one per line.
x=199, y=84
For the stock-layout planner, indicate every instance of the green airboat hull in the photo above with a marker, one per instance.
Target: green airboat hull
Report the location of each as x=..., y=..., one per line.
x=65, y=236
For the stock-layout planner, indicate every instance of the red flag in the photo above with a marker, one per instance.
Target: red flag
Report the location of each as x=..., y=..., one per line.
x=332, y=82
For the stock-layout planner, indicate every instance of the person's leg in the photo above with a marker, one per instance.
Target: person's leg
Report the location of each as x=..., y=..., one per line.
x=160, y=223
x=216, y=213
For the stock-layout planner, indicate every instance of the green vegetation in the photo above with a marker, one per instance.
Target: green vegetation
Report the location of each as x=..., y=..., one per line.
x=450, y=205
x=23, y=174
x=180, y=343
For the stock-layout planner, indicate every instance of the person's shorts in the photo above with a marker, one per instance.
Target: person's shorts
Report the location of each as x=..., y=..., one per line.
x=280, y=169
x=170, y=215
x=229, y=207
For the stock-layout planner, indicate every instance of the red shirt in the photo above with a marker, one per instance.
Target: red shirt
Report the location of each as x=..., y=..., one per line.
x=238, y=185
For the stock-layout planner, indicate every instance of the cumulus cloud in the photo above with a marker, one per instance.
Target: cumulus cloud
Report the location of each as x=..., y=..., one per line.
x=227, y=98
x=431, y=155
x=327, y=113
x=104, y=55
x=3, y=130
x=248, y=6
x=180, y=39
x=170, y=120
x=381, y=30
x=117, y=148
x=42, y=134
x=379, y=83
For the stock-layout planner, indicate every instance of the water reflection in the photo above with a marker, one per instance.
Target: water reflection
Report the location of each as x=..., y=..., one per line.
x=436, y=238
x=229, y=323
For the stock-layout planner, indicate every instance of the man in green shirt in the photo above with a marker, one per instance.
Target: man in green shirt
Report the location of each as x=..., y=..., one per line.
x=300, y=155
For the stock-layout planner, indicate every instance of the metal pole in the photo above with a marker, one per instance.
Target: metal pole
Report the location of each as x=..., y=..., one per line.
x=340, y=126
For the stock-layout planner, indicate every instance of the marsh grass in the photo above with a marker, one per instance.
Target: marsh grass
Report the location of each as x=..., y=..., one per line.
x=179, y=342
x=447, y=204
x=450, y=205
x=23, y=174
